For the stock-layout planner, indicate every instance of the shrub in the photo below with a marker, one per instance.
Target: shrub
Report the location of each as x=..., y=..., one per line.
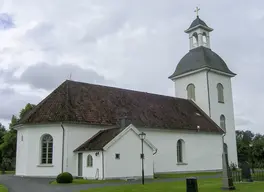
x=64, y=178
x=233, y=166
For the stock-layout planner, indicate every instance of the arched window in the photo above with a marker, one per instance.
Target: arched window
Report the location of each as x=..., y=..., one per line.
x=191, y=91
x=46, y=149
x=204, y=39
x=89, y=161
x=195, y=40
x=220, y=91
x=180, y=151
x=222, y=122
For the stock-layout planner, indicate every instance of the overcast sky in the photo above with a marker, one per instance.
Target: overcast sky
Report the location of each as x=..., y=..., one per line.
x=133, y=44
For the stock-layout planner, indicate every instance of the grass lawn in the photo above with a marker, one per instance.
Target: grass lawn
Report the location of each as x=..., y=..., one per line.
x=3, y=188
x=183, y=175
x=84, y=181
x=8, y=172
x=205, y=185
x=157, y=176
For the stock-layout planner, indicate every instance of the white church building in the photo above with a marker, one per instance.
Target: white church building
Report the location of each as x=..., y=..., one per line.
x=93, y=131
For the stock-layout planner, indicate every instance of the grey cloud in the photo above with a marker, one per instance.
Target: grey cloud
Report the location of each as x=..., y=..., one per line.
x=42, y=35
x=7, y=92
x=12, y=102
x=48, y=76
x=243, y=122
x=107, y=25
x=143, y=62
x=7, y=75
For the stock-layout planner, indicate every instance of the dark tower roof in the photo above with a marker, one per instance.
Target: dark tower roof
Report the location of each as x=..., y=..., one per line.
x=201, y=57
x=198, y=23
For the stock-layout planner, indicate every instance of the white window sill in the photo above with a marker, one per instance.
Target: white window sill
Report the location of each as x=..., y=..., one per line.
x=182, y=163
x=45, y=165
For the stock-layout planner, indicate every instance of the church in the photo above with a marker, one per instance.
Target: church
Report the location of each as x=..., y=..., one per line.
x=101, y=132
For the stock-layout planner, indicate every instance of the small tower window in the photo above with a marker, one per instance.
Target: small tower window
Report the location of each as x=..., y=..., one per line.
x=223, y=122
x=195, y=40
x=191, y=92
x=220, y=91
x=204, y=39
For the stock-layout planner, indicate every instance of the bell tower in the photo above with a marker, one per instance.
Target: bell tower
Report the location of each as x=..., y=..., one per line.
x=199, y=33
x=203, y=77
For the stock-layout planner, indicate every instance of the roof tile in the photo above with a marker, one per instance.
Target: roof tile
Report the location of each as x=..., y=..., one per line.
x=99, y=140
x=76, y=102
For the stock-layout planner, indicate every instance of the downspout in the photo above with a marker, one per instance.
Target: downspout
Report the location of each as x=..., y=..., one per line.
x=208, y=91
x=223, y=143
x=223, y=139
x=155, y=151
x=154, y=162
x=62, y=159
x=102, y=165
x=223, y=150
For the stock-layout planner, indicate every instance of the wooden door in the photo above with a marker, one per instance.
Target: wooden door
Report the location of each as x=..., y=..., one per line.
x=80, y=164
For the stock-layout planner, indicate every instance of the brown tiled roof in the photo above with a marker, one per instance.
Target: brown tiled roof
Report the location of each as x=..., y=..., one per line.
x=99, y=140
x=76, y=102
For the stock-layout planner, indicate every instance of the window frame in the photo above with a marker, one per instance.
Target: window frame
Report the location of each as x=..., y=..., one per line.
x=180, y=158
x=191, y=91
x=222, y=122
x=204, y=38
x=89, y=160
x=195, y=39
x=46, y=157
x=220, y=93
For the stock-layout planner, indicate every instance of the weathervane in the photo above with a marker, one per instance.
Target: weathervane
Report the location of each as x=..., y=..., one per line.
x=197, y=11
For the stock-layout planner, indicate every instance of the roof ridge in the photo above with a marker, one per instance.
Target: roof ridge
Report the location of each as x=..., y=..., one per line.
x=118, y=88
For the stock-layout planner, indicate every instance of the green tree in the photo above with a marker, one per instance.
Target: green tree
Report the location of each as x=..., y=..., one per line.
x=243, y=139
x=2, y=133
x=8, y=147
x=250, y=147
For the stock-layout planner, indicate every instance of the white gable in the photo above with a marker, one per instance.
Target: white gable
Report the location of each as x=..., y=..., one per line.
x=125, y=131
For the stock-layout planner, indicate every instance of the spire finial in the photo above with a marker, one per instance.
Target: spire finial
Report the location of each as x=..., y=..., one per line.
x=197, y=11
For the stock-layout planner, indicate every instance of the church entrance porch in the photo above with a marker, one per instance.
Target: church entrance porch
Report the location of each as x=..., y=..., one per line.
x=89, y=165
x=115, y=154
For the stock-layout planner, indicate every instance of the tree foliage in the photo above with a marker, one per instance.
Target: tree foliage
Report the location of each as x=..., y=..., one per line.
x=250, y=147
x=8, y=139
